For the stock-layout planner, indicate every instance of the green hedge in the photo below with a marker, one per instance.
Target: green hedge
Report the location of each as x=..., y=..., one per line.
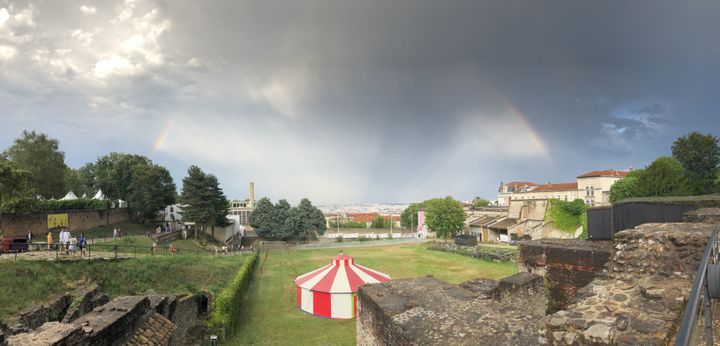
x=227, y=306
x=703, y=201
x=78, y=204
x=31, y=205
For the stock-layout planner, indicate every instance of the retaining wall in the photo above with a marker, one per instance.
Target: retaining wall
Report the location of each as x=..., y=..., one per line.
x=567, y=265
x=17, y=226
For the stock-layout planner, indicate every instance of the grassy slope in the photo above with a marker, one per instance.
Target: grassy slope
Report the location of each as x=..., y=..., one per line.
x=564, y=221
x=272, y=316
x=25, y=282
x=101, y=232
x=145, y=243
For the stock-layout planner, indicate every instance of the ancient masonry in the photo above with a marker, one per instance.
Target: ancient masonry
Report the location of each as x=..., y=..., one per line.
x=630, y=291
x=639, y=297
x=85, y=317
x=428, y=311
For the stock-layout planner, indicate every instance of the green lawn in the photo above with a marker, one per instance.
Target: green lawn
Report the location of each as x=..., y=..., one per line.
x=271, y=315
x=144, y=244
x=29, y=281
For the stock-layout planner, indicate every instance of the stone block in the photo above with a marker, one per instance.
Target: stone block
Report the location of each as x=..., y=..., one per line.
x=50, y=334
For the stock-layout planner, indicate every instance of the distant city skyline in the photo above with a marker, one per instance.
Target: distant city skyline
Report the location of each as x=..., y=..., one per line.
x=362, y=101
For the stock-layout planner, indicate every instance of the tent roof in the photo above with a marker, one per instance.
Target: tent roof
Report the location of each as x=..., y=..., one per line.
x=342, y=275
x=99, y=195
x=69, y=196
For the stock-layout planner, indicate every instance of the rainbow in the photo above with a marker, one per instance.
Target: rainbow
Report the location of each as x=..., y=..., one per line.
x=160, y=140
x=534, y=136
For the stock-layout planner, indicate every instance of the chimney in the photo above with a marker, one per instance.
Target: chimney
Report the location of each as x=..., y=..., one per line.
x=251, y=204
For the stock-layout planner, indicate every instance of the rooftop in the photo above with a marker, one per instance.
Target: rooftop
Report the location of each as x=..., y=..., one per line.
x=556, y=187
x=605, y=173
x=520, y=183
x=362, y=217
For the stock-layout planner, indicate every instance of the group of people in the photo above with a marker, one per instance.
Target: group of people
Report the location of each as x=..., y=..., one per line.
x=162, y=228
x=154, y=248
x=68, y=242
x=117, y=233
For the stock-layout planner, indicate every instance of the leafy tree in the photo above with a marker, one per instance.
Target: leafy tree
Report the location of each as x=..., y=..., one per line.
x=151, y=189
x=625, y=187
x=576, y=208
x=444, y=216
x=200, y=200
x=348, y=224
x=480, y=202
x=147, y=187
x=663, y=177
x=113, y=173
x=380, y=222
x=263, y=219
x=41, y=157
x=283, y=228
x=308, y=221
x=16, y=193
x=76, y=181
x=408, y=218
x=699, y=154
x=13, y=181
x=283, y=222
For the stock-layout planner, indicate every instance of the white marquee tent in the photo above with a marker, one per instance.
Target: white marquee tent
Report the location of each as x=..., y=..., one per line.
x=69, y=197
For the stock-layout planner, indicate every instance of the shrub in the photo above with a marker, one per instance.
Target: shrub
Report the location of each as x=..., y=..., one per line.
x=226, y=309
x=568, y=216
x=31, y=205
x=78, y=204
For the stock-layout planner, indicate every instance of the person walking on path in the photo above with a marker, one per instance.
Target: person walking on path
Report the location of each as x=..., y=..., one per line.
x=29, y=237
x=67, y=241
x=61, y=240
x=115, y=233
x=49, y=240
x=82, y=242
x=72, y=245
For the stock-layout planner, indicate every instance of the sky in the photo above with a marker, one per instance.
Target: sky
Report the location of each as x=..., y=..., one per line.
x=366, y=101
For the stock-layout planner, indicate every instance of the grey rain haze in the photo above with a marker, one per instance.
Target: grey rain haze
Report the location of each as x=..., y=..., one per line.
x=363, y=101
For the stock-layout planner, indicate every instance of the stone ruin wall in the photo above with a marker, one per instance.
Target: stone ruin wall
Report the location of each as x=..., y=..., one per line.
x=126, y=320
x=566, y=265
x=373, y=326
x=640, y=295
x=428, y=311
x=630, y=291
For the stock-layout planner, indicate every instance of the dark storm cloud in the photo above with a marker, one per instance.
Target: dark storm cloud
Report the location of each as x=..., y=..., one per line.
x=385, y=100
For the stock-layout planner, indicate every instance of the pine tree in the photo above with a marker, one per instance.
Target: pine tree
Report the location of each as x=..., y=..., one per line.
x=197, y=199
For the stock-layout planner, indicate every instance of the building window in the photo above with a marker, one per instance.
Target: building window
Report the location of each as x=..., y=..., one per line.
x=592, y=191
x=565, y=198
x=171, y=209
x=587, y=191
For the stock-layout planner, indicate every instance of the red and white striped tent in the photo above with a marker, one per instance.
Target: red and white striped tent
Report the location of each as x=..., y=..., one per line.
x=331, y=291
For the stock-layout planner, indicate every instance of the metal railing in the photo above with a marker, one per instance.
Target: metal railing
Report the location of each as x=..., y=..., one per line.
x=696, y=326
x=64, y=252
